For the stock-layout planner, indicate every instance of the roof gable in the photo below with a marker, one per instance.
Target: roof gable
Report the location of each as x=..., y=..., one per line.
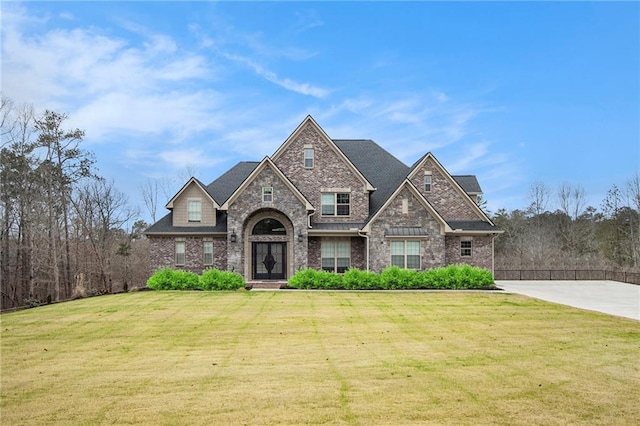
x=309, y=121
x=425, y=203
x=266, y=162
x=199, y=185
x=466, y=198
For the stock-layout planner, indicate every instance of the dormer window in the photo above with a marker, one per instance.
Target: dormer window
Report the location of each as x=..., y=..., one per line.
x=194, y=210
x=309, y=157
x=267, y=194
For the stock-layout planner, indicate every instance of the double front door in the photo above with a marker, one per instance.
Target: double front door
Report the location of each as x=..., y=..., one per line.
x=269, y=261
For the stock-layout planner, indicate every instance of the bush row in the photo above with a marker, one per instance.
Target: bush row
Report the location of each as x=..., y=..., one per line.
x=392, y=278
x=211, y=279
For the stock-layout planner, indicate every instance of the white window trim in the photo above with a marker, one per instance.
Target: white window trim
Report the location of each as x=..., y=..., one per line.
x=198, y=211
x=428, y=182
x=335, y=204
x=312, y=158
x=183, y=253
x=204, y=253
x=470, y=248
x=267, y=191
x=404, y=253
x=335, y=242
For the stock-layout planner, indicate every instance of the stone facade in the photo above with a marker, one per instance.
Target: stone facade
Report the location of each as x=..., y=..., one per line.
x=413, y=214
x=443, y=195
x=248, y=208
x=331, y=173
x=416, y=216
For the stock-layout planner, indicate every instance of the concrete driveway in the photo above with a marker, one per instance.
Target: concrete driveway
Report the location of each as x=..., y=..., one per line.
x=609, y=297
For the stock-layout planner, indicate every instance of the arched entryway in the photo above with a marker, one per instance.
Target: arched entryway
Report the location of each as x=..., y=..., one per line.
x=269, y=245
x=269, y=258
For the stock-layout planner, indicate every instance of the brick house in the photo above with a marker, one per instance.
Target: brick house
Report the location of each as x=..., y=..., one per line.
x=323, y=203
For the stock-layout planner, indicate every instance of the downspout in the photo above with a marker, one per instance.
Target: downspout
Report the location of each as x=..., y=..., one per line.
x=366, y=236
x=309, y=219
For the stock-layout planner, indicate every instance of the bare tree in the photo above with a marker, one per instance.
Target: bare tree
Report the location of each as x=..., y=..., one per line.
x=633, y=194
x=65, y=164
x=101, y=210
x=150, y=191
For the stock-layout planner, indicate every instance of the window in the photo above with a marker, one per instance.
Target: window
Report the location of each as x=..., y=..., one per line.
x=269, y=226
x=405, y=254
x=180, y=250
x=465, y=248
x=194, y=210
x=308, y=158
x=336, y=255
x=427, y=183
x=336, y=204
x=267, y=194
x=207, y=250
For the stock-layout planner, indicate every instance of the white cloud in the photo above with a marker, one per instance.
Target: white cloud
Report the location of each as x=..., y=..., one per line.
x=286, y=83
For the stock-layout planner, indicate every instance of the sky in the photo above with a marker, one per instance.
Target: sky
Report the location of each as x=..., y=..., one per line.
x=512, y=92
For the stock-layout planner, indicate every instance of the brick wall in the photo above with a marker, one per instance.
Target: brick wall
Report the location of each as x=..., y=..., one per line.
x=432, y=246
x=448, y=202
x=481, y=251
x=330, y=171
x=163, y=253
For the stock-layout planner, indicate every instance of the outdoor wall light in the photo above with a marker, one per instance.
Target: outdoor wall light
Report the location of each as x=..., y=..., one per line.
x=300, y=237
x=234, y=237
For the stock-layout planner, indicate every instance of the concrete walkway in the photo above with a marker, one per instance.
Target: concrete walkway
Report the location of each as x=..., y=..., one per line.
x=609, y=297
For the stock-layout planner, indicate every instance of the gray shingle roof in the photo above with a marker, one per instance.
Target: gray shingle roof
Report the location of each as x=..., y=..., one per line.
x=469, y=183
x=165, y=225
x=383, y=170
x=223, y=187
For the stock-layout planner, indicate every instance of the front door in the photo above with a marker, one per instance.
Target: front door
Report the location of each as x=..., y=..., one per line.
x=269, y=261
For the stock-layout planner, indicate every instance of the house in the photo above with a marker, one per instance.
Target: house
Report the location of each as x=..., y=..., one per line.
x=326, y=204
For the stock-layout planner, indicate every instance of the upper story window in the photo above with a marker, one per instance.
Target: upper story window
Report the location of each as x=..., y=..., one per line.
x=405, y=254
x=267, y=194
x=194, y=210
x=465, y=248
x=336, y=204
x=309, y=158
x=427, y=183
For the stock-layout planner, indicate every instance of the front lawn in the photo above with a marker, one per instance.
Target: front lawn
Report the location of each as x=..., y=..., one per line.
x=318, y=357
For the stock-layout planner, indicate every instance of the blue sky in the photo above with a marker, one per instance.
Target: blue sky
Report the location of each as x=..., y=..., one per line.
x=512, y=92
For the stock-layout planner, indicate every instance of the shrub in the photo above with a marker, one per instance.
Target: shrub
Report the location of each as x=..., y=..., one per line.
x=356, y=279
x=214, y=279
x=173, y=279
x=449, y=277
x=392, y=278
x=304, y=279
x=313, y=279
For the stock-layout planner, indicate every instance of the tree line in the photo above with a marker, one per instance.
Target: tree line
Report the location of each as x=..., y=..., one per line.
x=558, y=230
x=67, y=232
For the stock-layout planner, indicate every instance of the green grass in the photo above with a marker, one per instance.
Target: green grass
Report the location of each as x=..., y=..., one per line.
x=300, y=357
